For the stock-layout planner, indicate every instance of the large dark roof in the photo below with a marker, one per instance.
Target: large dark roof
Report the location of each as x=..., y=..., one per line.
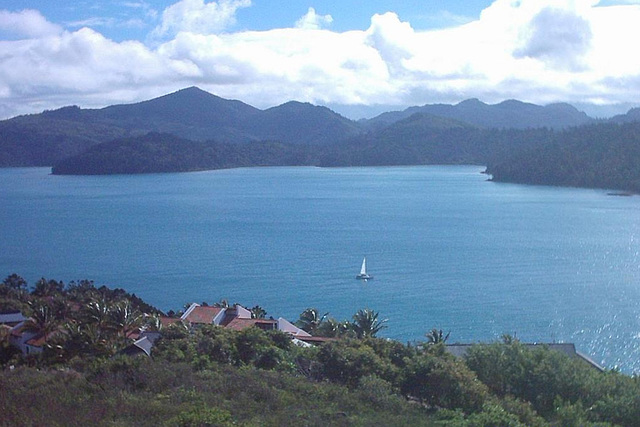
x=13, y=318
x=460, y=350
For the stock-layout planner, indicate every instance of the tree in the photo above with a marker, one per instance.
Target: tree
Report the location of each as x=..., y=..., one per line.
x=443, y=381
x=436, y=336
x=310, y=320
x=15, y=282
x=44, y=287
x=333, y=328
x=347, y=361
x=258, y=312
x=366, y=323
x=81, y=291
x=223, y=303
x=42, y=321
x=97, y=312
x=123, y=318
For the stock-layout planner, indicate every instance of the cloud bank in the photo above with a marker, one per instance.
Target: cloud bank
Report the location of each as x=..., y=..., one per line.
x=539, y=51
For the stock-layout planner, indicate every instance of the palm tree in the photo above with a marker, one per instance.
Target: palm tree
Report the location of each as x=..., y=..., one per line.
x=42, y=321
x=223, y=303
x=332, y=328
x=310, y=320
x=366, y=324
x=97, y=312
x=436, y=336
x=258, y=312
x=124, y=318
x=152, y=321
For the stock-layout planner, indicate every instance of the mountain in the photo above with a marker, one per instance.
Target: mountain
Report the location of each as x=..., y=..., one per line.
x=45, y=139
x=195, y=130
x=603, y=155
x=509, y=114
x=424, y=139
x=189, y=113
x=297, y=122
x=162, y=152
x=633, y=115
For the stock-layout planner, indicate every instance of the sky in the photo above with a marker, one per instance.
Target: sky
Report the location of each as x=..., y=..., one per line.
x=358, y=59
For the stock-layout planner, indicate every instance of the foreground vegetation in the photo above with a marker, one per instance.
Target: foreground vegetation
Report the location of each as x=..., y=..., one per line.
x=211, y=375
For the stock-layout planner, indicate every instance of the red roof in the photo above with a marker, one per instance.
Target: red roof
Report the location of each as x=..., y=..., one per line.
x=201, y=314
x=37, y=341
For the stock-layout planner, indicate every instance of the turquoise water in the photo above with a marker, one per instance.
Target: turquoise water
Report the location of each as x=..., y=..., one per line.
x=447, y=248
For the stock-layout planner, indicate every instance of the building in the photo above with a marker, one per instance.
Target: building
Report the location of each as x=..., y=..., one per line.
x=460, y=350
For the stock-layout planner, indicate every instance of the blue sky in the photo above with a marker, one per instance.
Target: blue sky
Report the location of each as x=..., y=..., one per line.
x=121, y=20
x=354, y=57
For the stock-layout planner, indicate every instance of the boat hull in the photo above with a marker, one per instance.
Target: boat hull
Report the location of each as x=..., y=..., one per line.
x=364, y=277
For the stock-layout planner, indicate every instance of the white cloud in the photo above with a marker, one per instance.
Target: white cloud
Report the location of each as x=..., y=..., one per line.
x=199, y=17
x=313, y=21
x=535, y=50
x=27, y=23
x=560, y=37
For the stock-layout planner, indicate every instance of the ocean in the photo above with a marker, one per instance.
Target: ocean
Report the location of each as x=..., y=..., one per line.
x=448, y=249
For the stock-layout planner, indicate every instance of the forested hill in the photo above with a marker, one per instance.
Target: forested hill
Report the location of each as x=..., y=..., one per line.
x=47, y=138
x=418, y=140
x=509, y=114
x=598, y=156
x=605, y=155
x=195, y=130
x=162, y=152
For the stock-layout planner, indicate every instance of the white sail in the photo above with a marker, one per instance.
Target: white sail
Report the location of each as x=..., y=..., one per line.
x=363, y=271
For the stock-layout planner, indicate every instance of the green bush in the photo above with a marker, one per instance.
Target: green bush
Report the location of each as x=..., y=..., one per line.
x=202, y=417
x=444, y=382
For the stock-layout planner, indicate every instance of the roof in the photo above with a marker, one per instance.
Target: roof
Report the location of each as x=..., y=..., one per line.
x=312, y=339
x=460, y=350
x=239, y=324
x=166, y=321
x=12, y=318
x=18, y=330
x=201, y=314
x=37, y=341
x=143, y=345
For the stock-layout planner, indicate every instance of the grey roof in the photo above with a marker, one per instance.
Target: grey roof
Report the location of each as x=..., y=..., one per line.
x=16, y=317
x=460, y=350
x=144, y=344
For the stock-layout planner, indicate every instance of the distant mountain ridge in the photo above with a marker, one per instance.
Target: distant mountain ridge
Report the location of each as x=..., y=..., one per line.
x=510, y=114
x=194, y=130
x=46, y=138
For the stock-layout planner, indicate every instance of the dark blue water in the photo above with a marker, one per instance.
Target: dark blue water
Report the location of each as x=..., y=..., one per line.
x=447, y=248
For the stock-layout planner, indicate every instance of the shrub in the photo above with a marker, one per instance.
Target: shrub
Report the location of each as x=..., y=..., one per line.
x=443, y=382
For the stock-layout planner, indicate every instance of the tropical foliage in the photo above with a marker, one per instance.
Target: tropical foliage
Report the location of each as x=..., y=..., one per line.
x=212, y=375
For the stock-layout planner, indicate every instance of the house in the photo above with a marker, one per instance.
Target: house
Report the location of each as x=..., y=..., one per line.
x=237, y=318
x=198, y=314
x=460, y=350
x=26, y=341
x=12, y=319
x=167, y=321
x=142, y=345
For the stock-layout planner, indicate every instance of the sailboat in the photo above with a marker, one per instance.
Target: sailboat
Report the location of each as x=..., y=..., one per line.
x=363, y=271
